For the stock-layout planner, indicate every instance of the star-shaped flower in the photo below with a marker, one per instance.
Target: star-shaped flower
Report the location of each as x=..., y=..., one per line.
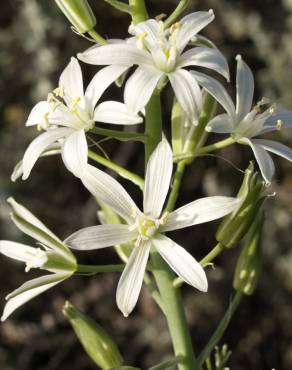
x=146, y=228
x=244, y=122
x=159, y=52
x=70, y=112
x=51, y=255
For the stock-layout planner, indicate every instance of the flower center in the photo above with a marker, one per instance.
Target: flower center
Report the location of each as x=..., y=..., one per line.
x=147, y=227
x=35, y=258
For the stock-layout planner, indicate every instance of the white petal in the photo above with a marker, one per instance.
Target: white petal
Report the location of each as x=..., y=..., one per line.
x=132, y=278
x=74, y=152
x=157, y=179
x=20, y=252
x=217, y=90
x=26, y=215
x=244, y=88
x=140, y=86
x=38, y=146
x=205, y=57
x=220, y=124
x=18, y=171
x=191, y=25
x=71, y=81
x=275, y=147
x=100, y=82
x=200, y=211
x=116, y=113
x=264, y=160
x=188, y=93
x=101, y=236
x=108, y=190
x=181, y=262
x=30, y=225
x=38, y=113
x=150, y=27
x=115, y=54
x=282, y=114
x=30, y=290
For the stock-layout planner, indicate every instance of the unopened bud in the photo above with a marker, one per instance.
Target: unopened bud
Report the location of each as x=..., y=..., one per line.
x=249, y=262
x=96, y=342
x=234, y=226
x=79, y=14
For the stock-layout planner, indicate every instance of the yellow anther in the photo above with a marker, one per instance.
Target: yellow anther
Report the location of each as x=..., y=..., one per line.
x=74, y=104
x=59, y=91
x=164, y=217
x=279, y=124
x=273, y=110
x=140, y=41
x=45, y=124
x=175, y=27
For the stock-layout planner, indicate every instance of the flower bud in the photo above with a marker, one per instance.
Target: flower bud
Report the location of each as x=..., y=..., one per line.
x=79, y=14
x=249, y=262
x=234, y=226
x=96, y=342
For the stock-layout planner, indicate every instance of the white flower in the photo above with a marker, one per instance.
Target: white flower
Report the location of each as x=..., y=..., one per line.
x=69, y=112
x=147, y=227
x=244, y=122
x=160, y=52
x=52, y=255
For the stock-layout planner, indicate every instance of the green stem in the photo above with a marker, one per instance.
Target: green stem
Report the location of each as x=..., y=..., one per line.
x=175, y=315
x=176, y=13
x=97, y=37
x=137, y=180
x=175, y=186
x=220, y=329
x=171, y=297
x=119, y=135
x=211, y=255
x=99, y=268
x=153, y=125
x=206, y=149
x=138, y=11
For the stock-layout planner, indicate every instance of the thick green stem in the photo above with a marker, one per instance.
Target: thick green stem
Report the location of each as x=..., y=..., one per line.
x=97, y=37
x=153, y=125
x=138, y=11
x=174, y=312
x=220, y=329
x=137, y=180
x=171, y=297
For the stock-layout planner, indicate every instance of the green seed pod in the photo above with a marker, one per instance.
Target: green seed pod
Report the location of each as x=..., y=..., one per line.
x=235, y=226
x=96, y=342
x=249, y=262
x=79, y=14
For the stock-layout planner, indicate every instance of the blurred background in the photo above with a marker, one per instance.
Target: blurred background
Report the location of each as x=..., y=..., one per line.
x=35, y=45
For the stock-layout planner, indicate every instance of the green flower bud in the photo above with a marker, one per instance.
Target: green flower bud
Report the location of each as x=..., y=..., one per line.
x=235, y=226
x=249, y=262
x=96, y=342
x=79, y=14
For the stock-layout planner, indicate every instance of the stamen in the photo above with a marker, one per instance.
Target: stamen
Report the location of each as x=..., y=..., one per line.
x=279, y=124
x=140, y=41
x=172, y=54
x=163, y=219
x=74, y=104
x=273, y=110
x=175, y=27
x=59, y=91
x=45, y=124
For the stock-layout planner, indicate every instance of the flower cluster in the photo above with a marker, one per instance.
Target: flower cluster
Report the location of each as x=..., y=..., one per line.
x=161, y=54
